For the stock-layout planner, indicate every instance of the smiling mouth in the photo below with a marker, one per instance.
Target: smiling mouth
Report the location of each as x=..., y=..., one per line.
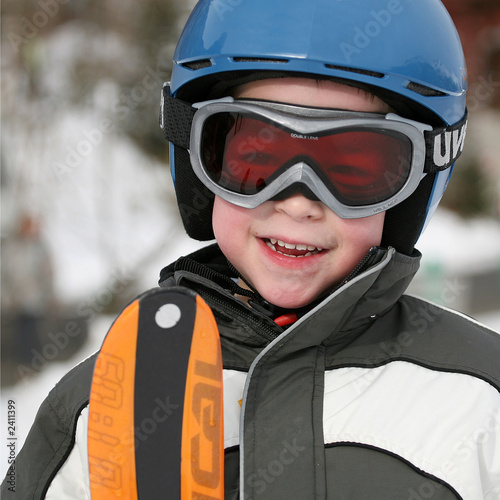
x=291, y=250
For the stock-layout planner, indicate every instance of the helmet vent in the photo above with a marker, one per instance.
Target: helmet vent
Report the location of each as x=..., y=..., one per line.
x=260, y=59
x=375, y=74
x=200, y=64
x=424, y=90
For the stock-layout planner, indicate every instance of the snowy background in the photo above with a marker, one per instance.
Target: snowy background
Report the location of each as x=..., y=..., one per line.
x=83, y=156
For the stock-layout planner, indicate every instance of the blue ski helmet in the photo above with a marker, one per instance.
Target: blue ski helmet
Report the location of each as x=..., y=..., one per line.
x=407, y=52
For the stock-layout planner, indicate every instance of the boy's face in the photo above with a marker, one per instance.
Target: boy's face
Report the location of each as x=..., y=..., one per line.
x=249, y=237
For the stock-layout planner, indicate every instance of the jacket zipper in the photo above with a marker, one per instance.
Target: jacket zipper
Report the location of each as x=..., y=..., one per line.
x=259, y=326
x=367, y=260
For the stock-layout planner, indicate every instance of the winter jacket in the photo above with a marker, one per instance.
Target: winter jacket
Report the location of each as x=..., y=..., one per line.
x=370, y=395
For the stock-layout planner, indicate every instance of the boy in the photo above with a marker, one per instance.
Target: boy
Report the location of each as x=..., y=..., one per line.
x=316, y=193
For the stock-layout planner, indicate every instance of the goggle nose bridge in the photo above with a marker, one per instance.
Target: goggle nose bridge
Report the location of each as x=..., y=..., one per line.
x=298, y=172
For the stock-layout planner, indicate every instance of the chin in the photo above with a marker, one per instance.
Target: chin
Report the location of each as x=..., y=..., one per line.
x=287, y=302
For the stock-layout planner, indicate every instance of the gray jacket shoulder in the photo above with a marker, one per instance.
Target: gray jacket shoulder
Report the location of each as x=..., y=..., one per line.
x=432, y=336
x=452, y=341
x=52, y=435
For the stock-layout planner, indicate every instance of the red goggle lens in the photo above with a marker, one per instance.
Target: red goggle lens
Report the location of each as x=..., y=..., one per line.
x=360, y=166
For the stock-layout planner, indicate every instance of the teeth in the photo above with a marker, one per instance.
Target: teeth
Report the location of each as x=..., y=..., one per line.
x=271, y=243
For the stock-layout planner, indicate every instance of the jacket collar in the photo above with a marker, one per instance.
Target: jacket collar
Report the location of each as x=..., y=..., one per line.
x=354, y=306
x=335, y=320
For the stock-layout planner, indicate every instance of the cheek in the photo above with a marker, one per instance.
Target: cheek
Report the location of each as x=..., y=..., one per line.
x=220, y=219
x=230, y=224
x=365, y=233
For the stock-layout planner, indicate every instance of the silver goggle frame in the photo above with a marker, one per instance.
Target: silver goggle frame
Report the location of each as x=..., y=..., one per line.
x=309, y=121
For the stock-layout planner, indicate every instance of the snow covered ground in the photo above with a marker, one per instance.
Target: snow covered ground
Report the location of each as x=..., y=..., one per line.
x=108, y=216
x=30, y=392
x=461, y=246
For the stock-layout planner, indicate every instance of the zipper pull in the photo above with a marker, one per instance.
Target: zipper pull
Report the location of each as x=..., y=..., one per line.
x=286, y=319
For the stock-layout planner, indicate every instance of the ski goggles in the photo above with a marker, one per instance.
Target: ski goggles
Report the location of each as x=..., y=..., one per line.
x=358, y=164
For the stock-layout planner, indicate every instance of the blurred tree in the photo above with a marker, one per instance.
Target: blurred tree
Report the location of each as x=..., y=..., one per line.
x=121, y=53
x=468, y=192
x=124, y=41
x=474, y=190
x=70, y=66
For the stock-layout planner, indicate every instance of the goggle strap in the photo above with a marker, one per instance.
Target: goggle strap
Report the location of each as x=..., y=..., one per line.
x=444, y=146
x=176, y=117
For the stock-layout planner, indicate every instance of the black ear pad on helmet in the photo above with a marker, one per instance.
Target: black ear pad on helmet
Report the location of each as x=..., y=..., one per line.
x=195, y=201
x=403, y=223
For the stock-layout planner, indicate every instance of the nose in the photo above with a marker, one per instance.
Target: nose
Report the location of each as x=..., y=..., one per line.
x=300, y=208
